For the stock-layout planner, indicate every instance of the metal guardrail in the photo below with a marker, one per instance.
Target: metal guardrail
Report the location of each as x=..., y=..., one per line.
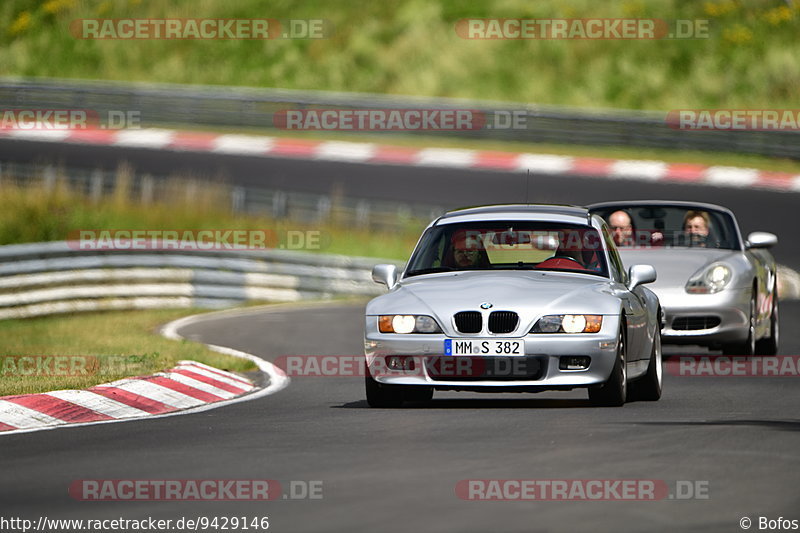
x=54, y=277
x=255, y=108
x=144, y=188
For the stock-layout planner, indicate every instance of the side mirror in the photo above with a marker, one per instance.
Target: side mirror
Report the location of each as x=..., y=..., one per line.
x=640, y=274
x=385, y=274
x=761, y=239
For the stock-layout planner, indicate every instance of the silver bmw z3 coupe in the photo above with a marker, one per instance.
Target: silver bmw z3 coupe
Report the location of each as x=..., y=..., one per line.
x=514, y=298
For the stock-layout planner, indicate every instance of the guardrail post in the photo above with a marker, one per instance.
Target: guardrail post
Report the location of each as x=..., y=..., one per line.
x=362, y=214
x=238, y=199
x=147, y=189
x=97, y=185
x=49, y=175
x=191, y=192
x=323, y=208
x=279, y=204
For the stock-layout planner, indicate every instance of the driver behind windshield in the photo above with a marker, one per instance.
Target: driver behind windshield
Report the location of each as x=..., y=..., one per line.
x=467, y=252
x=695, y=226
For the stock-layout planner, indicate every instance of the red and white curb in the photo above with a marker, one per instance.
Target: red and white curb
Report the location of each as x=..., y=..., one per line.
x=190, y=387
x=369, y=153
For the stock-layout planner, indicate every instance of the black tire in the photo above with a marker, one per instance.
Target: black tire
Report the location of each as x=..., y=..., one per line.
x=417, y=394
x=380, y=394
x=613, y=393
x=648, y=387
x=748, y=346
x=769, y=345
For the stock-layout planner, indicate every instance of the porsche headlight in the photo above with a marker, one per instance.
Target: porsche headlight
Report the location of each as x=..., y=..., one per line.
x=407, y=324
x=711, y=280
x=568, y=324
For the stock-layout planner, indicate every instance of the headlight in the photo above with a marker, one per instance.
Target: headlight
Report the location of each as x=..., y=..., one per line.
x=568, y=324
x=711, y=280
x=407, y=324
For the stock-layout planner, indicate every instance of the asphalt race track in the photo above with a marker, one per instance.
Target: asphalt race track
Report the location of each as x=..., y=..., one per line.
x=397, y=470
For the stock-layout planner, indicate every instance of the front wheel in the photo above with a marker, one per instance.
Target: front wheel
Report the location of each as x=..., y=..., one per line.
x=383, y=395
x=648, y=387
x=748, y=347
x=379, y=394
x=613, y=392
x=769, y=345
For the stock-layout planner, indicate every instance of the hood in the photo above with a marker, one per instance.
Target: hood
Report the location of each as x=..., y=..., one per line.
x=675, y=266
x=531, y=294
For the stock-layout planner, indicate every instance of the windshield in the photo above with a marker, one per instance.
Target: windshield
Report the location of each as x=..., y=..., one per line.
x=658, y=226
x=504, y=245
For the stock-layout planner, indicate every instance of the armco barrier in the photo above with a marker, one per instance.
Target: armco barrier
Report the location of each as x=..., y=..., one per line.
x=54, y=277
x=163, y=104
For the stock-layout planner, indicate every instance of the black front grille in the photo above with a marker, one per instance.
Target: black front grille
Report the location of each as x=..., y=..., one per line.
x=686, y=323
x=503, y=321
x=469, y=321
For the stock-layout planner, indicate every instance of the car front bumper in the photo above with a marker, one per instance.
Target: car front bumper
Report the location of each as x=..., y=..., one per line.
x=424, y=362
x=730, y=307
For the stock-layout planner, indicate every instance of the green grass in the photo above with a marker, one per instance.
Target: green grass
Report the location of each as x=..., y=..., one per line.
x=129, y=346
x=411, y=47
x=35, y=214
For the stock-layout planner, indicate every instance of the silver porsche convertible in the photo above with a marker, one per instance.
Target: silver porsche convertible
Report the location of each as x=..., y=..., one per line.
x=716, y=288
x=514, y=298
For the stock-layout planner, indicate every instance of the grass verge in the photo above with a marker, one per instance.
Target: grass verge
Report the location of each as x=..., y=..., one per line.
x=36, y=213
x=129, y=345
x=746, y=59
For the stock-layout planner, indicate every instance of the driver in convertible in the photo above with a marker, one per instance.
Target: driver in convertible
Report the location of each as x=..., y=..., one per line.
x=696, y=226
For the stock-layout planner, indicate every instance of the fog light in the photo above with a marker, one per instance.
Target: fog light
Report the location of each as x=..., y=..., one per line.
x=574, y=362
x=400, y=362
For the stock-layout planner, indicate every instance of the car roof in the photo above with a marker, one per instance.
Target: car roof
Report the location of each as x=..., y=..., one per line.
x=548, y=212
x=663, y=203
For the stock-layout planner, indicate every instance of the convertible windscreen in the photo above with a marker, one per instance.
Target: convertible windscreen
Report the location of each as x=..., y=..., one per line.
x=504, y=245
x=646, y=226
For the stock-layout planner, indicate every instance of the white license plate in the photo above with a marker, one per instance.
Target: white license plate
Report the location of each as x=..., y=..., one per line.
x=487, y=347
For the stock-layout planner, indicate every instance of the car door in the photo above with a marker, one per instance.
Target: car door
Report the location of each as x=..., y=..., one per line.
x=633, y=303
x=765, y=270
